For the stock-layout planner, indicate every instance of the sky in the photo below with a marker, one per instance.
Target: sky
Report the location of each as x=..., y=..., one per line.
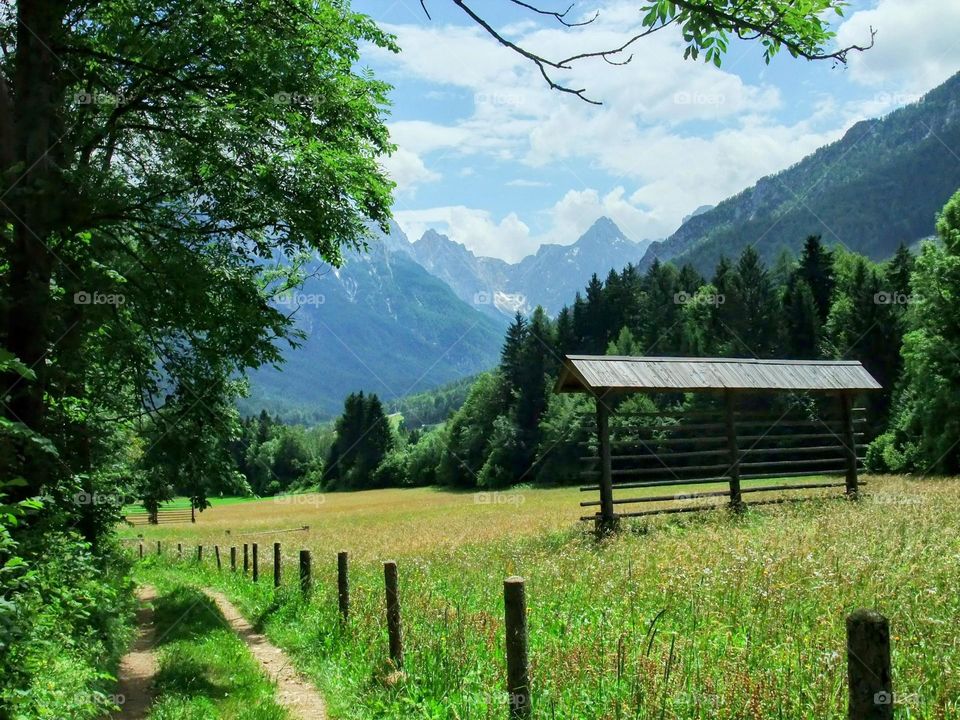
x=489, y=155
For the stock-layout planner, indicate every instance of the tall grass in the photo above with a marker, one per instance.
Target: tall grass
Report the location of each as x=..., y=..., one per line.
x=714, y=616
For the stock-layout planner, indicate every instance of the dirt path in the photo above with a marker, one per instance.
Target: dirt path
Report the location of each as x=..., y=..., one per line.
x=294, y=692
x=138, y=667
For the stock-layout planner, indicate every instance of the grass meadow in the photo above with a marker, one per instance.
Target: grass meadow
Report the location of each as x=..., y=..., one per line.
x=706, y=616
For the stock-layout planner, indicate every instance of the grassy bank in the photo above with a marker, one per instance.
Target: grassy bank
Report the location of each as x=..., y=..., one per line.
x=706, y=617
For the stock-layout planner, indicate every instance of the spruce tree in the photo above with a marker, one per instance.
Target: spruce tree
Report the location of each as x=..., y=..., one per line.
x=801, y=321
x=816, y=268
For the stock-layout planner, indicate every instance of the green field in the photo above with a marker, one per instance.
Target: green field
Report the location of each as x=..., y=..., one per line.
x=708, y=616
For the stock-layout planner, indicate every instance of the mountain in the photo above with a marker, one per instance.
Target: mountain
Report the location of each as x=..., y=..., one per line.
x=881, y=184
x=474, y=279
x=381, y=323
x=548, y=278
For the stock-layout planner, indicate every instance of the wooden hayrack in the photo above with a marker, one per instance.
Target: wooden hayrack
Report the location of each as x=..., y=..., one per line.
x=733, y=443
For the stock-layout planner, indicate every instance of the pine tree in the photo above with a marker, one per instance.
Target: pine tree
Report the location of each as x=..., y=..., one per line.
x=816, y=268
x=595, y=321
x=751, y=309
x=801, y=320
x=898, y=272
x=566, y=339
x=511, y=354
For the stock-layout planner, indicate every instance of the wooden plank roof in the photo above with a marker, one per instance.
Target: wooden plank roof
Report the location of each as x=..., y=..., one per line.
x=599, y=373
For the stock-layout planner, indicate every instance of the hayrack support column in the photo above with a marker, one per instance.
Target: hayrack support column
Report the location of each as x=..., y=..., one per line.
x=736, y=499
x=850, y=444
x=607, y=520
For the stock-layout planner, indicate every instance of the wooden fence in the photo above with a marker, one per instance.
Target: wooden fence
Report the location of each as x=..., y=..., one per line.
x=735, y=447
x=869, y=673
x=161, y=517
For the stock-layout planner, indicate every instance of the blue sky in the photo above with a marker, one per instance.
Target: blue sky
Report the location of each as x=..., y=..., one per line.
x=490, y=156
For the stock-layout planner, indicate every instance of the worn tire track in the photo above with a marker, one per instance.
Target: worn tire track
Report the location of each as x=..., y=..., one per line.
x=294, y=692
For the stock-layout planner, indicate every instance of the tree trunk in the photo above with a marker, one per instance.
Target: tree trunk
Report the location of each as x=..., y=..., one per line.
x=34, y=204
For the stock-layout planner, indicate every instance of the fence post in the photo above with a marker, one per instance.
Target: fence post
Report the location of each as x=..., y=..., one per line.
x=141, y=551
x=343, y=584
x=216, y=551
x=199, y=553
x=246, y=559
x=607, y=520
x=276, y=564
x=256, y=562
x=233, y=558
x=305, y=571
x=868, y=666
x=518, y=659
x=850, y=444
x=179, y=551
x=394, y=627
x=736, y=499
x=158, y=547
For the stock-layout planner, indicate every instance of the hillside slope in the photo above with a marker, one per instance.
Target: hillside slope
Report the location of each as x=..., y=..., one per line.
x=879, y=185
x=382, y=324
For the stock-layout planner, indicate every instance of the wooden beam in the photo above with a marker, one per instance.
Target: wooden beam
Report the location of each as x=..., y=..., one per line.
x=606, y=520
x=736, y=501
x=850, y=443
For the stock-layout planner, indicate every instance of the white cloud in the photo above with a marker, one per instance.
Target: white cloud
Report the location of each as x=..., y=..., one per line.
x=408, y=171
x=671, y=135
x=917, y=45
x=508, y=238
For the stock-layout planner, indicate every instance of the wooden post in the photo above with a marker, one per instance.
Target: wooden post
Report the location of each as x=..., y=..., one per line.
x=850, y=443
x=343, y=584
x=158, y=547
x=199, y=553
x=518, y=659
x=736, y=499
x=233, y=558
x=607, y=521
x=216, y=552
x=256, y=562
x=193, y=512
x=246, y=558
x=179, y=551
x=868, y=666
x=305, y=571
x=141, y=551
x=394, y=627
x=276, y=564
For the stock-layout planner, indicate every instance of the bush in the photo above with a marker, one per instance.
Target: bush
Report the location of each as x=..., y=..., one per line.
x=69, y=619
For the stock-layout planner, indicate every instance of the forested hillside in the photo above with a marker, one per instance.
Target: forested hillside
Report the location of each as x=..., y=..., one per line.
x=382, y=323
x=879, y=186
